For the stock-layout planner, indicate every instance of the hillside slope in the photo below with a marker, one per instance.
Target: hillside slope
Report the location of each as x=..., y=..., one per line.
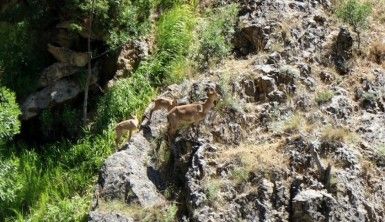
x=297, y=136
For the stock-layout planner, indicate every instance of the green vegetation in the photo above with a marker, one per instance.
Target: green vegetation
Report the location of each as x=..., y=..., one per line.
x=116, y=22
x=9, y=114
x=174, y=39
x=21, y=57
x=381, y=150
x=356, y=14
x=215, y=34
x=54, y=182
x=228, y=100
x=126, y=98
x=324, y=97
x=213, y=188
x=240, y=175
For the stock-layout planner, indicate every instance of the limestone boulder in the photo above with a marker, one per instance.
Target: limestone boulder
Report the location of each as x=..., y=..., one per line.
x=65, y=55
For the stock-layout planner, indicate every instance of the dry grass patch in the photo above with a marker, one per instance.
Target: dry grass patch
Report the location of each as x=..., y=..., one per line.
x=377, y=52
x=286, y=26
x=263, y=158
x=337, y=134
x=297, y=123
x=166, y=213
x=378, y=10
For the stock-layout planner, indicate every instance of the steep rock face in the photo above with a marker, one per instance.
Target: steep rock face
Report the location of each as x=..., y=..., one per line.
x=123, y=175
x=312, y=205
x=58, y=92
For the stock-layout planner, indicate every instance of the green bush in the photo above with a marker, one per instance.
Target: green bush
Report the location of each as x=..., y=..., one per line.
x=175, y=31
x=114, y=21
x=167, y=4
x=355, y=14
x=127, y=97
x=9, y=115
x=215, y=33
x=63, y=210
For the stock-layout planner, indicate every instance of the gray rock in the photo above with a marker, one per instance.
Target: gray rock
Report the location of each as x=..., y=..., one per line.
x=326, y=77
x=124, y=175
x=264, y=85
x=277, y=96
x=108, y=217
x=65, y=55
x=55, y=72
x=61, y=91
x=128, y=59
x=340, y=107
x=312, y=205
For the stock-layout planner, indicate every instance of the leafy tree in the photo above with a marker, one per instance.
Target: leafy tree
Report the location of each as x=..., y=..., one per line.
x=9, y=114
x=355, y=14
x=115, y=21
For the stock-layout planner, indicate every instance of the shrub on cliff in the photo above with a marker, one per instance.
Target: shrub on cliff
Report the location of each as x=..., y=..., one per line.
x=215, y=33
x=355, y=14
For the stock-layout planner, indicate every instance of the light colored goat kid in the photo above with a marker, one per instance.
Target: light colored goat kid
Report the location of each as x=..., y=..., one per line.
x=124, y=127
x=190, y=113
x=164, y=103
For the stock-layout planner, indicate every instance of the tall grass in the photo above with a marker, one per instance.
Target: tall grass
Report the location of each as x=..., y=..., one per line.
x=52, y=183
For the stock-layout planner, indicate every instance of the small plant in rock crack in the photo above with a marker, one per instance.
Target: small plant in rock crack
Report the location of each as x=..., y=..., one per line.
x=212, y=191
x=324, y=96
x=240, y=175
x=297, y=123
x=228, y=100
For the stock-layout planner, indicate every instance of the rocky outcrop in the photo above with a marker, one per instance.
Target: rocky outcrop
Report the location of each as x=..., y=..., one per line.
x=108, y=217
x=55, y=72
x=312, y=205
x=342, y=51
x=59, y=92
x=65, y=55
x=128, y=59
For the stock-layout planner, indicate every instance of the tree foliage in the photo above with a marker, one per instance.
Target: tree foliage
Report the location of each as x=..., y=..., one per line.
x=355, y=14
x=115, y=21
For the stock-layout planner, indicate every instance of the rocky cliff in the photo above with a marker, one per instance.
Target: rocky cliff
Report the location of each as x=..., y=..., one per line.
x=297, y=136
